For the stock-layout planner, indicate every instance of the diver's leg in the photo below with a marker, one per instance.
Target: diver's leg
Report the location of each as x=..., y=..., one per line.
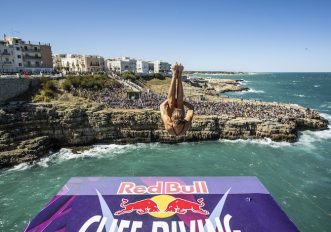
x=180, y=90
x=172, y=90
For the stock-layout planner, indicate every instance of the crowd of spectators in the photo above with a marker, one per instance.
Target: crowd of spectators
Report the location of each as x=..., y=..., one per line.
x=117, y=97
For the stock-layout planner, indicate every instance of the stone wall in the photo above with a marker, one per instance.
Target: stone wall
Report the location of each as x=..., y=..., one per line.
x=11, y=87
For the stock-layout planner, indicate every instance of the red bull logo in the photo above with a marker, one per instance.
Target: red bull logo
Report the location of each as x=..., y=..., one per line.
x=181, y=206
x=141, y=207
x=174, y=205
x=198, y=187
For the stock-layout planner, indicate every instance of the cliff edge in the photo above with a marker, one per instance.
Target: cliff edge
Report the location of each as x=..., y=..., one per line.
x=28, y=131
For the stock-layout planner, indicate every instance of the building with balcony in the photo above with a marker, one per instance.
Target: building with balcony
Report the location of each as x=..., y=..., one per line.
x=142, y=67
x=7, y=59
x=162, y=67
x=32, y=57
x=78, y=63
x=123, y=64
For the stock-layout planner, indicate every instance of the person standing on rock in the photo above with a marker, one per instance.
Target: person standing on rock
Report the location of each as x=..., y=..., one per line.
x=172, y=109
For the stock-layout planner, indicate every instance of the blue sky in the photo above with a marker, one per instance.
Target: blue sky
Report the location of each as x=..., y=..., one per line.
x=238, y=35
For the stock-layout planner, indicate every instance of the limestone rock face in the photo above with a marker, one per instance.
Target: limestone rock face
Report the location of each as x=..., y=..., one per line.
x=29, y=131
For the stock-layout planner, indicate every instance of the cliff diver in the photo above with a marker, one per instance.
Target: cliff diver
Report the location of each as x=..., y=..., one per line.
x=172, y=109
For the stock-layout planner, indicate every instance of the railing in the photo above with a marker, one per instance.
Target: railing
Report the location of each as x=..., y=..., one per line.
x=30, y=49
x=6, y=62
x=6, y=53
x=31, y=57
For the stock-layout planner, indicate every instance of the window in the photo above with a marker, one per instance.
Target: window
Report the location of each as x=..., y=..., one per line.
x=20, y=64
x=35, y=48
x=19, y=56
x=17, y=48
x=37, y=63
x=25, y=48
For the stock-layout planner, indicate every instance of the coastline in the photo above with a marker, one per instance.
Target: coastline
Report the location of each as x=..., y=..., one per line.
x=29, y=131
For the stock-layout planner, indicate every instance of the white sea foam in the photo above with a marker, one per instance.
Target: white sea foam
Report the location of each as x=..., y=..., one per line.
x=64, y=154
x=20, y=167
x=316, y=86
x=248, y=91
x=97, y=151
x=262, y=142
x=299, y=95
x=306, y=138
x=326, y=116
x=244, y=82
x=255, y=91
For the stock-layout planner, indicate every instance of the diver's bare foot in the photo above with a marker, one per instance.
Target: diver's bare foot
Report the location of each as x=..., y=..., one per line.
x=175, y=70
x=180, y=69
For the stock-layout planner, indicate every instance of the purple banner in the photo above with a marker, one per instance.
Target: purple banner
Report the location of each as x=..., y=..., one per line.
x=162, y=204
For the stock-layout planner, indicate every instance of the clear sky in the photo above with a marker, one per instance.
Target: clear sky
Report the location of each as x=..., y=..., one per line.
x=238, y=35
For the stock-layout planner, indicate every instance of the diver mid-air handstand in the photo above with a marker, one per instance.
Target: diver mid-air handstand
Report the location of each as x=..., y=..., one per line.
x=172, y=109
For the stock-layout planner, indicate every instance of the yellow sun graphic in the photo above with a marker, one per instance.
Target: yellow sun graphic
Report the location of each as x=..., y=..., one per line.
x=162, y=202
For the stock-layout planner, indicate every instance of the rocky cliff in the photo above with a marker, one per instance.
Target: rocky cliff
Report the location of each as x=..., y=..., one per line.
x=29, y=131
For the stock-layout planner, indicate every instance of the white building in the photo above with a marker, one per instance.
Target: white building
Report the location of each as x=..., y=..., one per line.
x=29, y=56
x=123, y=64
x=7, y=60
x=142, y=67
x=162, y=67
x=78, y=63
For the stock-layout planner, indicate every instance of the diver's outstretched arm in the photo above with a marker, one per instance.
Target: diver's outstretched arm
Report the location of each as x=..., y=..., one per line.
x=172, y=90
x=180, y=90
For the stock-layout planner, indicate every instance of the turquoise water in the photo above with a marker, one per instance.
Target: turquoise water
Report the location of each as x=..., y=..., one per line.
x=297, y=175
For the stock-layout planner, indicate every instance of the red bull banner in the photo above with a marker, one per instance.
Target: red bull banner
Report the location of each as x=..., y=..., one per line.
x=162, y=204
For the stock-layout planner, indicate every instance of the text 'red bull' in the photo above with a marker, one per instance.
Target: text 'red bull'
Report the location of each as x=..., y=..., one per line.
x=161, y=187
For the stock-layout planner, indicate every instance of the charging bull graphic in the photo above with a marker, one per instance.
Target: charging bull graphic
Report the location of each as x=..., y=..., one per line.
x=178, y=205
x=181, y=206
x=141, y=207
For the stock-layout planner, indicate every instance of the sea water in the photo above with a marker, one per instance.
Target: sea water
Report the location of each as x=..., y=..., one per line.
x=298, y=175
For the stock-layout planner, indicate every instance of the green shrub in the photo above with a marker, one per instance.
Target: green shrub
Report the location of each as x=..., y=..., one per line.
x=97, y=81
x=66, y=85
x=129, y=75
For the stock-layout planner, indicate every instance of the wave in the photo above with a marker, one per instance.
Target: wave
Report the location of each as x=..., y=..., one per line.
x=255, y=91
x=65, y=154
x=299, y=95
x=316, y=86
x=244, y=82
x=326, y=116
x=263, y=142
x=247, y=91
x=306, y=138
